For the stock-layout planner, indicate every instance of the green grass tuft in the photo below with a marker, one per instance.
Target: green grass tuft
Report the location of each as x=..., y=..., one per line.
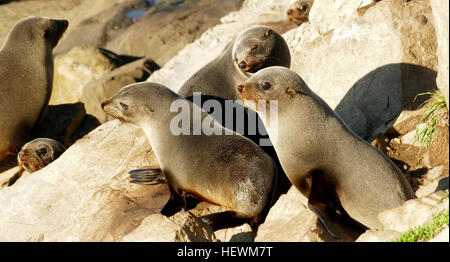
x=434, y=104
x=425, y=232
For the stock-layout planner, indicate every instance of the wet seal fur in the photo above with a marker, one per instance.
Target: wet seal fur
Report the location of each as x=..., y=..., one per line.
x=26, y=78
x=226, y=170
x=338, y=171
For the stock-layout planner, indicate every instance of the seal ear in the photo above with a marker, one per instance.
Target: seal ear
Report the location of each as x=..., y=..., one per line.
x=267, y=33
x=291, y=91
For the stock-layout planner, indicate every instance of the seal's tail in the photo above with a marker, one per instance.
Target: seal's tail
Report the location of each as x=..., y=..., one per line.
x=147, y=176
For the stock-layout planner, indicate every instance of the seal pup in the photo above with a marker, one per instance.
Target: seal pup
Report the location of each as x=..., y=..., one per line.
x=322, y=157
x=298, y=11
x=253, y=49
x=38, y=153
x=26, y=78
x=226, y=170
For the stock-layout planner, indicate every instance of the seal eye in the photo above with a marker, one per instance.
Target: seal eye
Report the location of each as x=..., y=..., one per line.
x=254, y=48
x=266, y=85
x=42, y=151
x=124, y=106
x=303, y=8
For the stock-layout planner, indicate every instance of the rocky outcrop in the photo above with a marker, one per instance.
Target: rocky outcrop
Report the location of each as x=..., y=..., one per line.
x=84, y=195
x=440, y=18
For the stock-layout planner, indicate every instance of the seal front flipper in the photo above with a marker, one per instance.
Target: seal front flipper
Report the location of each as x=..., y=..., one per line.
x=325, y=220
x=147, y=176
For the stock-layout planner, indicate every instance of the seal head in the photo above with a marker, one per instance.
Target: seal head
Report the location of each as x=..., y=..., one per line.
x=298, y=11
x=260, y=47
x=38, y=153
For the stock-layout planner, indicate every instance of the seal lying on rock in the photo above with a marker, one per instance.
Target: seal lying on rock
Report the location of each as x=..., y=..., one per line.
x=226, y=170
x=298, y=11
x=38, y=153
x=26, y=78
x=322, y=157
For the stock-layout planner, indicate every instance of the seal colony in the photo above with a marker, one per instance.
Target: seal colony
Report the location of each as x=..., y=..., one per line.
x=226, y=170
x=323, y=158
x=26, y=78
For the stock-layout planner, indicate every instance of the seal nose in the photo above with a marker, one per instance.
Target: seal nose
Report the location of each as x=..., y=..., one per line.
x=21, y=154
x=289, y=11
x=240, y=88
x=242, y=65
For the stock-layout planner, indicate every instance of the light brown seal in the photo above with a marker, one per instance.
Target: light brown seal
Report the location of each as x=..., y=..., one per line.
x=322, y=157
x=298, y=11
x=226, y=170
x=26, y=77
x=38, y=153
x=253, y=49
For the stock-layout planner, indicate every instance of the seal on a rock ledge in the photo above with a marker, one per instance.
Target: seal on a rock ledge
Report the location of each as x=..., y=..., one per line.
x=255, y=48
x=298, y=11
x=38, y=153
x=26, y=78
x=322, y=157
x=226, y=170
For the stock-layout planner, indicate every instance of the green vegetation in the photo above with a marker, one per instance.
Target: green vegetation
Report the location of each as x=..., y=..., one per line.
x=443, y=198
x=434, y=104
x=425, y=232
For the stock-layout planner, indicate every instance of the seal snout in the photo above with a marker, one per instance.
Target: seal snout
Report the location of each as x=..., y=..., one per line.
x=240, y=88
x=289, y=12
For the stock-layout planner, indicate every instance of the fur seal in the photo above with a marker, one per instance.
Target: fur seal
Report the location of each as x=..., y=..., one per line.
x=26, y=78
x=298, y=11
x=322, y=157
x=38, y=153
x=253, y=49
x=226, y=170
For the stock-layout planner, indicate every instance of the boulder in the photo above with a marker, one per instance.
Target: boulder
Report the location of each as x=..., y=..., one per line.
x=440, y=19
x=84, y=195
x=414, y=212
x=378, y=236
x=442, y=236
x=181, y=227
x=74, y=69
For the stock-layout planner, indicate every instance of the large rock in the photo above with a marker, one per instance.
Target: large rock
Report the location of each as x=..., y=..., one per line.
x=84, y=195
x=414, y=212
x=440, y=18
x=163, y=31
x=74, y=69
x=181, y=227
x=386, y=55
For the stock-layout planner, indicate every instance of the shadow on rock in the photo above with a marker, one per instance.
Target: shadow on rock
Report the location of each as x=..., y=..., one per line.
x=374, y=102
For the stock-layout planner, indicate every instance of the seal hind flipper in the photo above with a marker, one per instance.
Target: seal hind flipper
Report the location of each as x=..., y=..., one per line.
x=224, y=219
x=147, y=176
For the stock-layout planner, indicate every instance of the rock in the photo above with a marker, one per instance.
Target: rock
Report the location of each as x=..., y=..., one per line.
x=9, y=176
x=162, y=32
x=243, y=233
x=326, y=15
x=437, y=185
x=439, y=149
x=436, y=173
x=380, y=86
x=65, y=123
x=74, y=11
x=288, y=220
x=99, y=90
x=407, y=121
x=440, y=18
x=414, y=212
x=211, y=43
x=442, y=236
x=102, y=27
x=74, y=69
x=181, y=227
x=378, y=236
x=84, y=195
x=411, y=137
